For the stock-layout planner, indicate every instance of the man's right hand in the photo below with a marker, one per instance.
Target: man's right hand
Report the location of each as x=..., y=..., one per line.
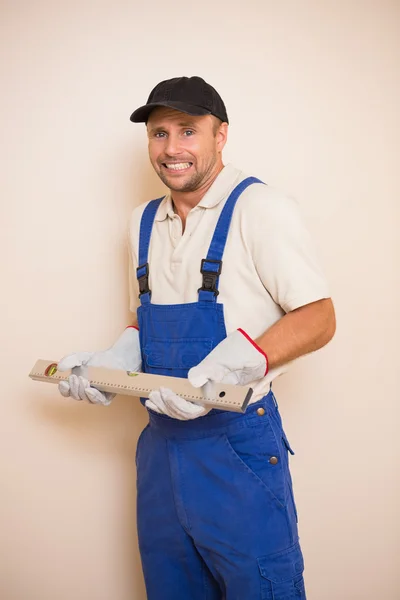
x=124, y=354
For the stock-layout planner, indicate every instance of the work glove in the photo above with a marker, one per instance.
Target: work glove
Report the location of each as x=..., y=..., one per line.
x=124, y=354
x=235, y=360
x=166, y=402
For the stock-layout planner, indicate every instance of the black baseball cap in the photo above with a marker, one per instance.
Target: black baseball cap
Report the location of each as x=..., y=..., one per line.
x=191, y=95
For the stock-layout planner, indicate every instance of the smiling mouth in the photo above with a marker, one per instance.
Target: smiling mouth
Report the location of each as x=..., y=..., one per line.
x=182, y=166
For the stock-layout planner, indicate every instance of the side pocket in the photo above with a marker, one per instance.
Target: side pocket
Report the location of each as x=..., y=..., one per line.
x=282, y=575
x=289, y=477
x=286, y=442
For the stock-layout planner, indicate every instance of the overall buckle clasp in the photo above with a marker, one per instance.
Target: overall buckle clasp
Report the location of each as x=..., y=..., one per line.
x=142, y=273
x=210, y=277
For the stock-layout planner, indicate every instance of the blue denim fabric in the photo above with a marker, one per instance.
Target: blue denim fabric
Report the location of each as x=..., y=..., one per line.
x=216, y=518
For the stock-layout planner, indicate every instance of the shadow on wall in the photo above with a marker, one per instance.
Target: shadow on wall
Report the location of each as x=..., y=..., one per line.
x=142, y=182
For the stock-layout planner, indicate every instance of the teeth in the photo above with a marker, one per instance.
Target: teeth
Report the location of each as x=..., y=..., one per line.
x=177, y=166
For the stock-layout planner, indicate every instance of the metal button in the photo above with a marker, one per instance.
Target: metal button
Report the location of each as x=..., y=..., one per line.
x=273, y=460
x=260, y=412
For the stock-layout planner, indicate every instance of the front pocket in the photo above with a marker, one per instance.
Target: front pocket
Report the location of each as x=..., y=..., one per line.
x=246, y=449
x=282, y=573
x=181, y=353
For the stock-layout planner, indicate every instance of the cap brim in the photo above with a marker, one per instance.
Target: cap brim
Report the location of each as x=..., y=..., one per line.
x=141, y=115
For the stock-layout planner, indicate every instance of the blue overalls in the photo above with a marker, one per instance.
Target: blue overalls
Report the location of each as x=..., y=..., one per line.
x=216, y=514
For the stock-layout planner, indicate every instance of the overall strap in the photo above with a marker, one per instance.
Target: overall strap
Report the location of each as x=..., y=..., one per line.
x=212, y=265
x=142, y=271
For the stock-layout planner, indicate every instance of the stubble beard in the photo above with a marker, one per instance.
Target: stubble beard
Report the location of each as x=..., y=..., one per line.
x=189, y=185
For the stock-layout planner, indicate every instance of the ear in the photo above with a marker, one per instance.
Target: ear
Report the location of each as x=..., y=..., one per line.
x=221, y=136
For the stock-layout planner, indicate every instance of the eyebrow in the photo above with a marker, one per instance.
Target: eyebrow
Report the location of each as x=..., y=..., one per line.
x=187, y=123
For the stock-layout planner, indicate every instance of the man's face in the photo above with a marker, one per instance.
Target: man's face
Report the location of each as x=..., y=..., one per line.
x=185, y=151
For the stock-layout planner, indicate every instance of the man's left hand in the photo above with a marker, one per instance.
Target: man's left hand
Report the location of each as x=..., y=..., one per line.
x=237, y=360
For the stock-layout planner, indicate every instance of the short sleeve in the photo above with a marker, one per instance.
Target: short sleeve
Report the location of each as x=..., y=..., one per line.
x=283, y=251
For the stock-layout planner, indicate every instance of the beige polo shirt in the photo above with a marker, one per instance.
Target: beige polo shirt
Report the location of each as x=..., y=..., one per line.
x=269, y=266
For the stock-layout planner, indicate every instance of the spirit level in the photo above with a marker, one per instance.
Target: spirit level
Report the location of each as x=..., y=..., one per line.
x=226, y=396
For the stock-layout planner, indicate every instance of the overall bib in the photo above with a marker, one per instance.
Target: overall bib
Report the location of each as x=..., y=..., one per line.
x=215, y=509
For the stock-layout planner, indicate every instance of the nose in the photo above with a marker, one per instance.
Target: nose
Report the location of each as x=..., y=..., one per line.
x=172, y=146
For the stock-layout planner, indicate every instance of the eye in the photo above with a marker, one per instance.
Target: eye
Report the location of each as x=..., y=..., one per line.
x=188, y=132
x=159, y=134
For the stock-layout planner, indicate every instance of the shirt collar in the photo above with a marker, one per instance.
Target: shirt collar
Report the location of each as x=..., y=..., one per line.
x=221, y=187
x=165, y=209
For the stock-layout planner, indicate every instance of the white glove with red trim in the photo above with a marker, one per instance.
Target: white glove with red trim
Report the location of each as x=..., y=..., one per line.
x=124, y=354
x=236, y=360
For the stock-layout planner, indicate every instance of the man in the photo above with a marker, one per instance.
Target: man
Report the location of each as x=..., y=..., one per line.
x=229, y=291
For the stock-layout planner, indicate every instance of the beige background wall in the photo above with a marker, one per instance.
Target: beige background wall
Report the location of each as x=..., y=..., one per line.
x=312, y=89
